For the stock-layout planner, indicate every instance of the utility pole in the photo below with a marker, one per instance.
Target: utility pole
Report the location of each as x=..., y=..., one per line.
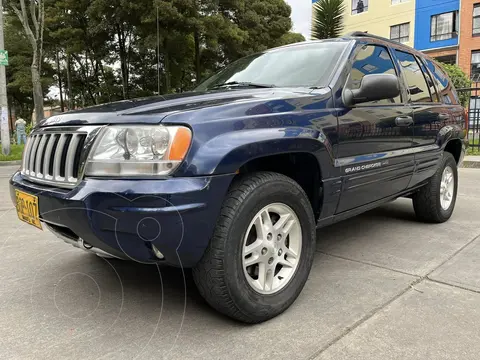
x=5, y=132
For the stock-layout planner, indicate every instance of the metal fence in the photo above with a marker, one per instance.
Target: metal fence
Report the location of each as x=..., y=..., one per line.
x=473, y=112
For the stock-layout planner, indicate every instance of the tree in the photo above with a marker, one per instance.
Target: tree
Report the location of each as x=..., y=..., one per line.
x=460, y=80
x=34, y=19
x=118, y=19
x=106, y=50
x=290, y=38
x=174, y=36
x=263, y=23
x=327, y=19
x=85, y=48
x=19, y=75
x=236, y=28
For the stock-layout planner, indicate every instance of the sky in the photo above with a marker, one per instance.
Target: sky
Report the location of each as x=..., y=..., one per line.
x=301, y=16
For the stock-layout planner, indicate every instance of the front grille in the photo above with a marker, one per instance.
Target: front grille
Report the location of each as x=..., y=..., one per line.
x=55, y=157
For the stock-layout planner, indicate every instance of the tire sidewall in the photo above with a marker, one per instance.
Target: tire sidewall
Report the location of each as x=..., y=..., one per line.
x=244, y=295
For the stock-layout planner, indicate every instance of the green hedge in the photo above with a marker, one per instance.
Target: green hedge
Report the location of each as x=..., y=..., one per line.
x=15, y=153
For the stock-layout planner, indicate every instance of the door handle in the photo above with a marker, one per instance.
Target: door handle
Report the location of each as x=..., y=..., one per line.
x=404, y=121
x=443, y=117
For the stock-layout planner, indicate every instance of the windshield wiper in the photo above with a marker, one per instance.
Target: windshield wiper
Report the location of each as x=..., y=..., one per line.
x=242, y=84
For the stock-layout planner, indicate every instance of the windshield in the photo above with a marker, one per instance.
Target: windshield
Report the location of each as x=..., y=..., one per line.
x=307, y=65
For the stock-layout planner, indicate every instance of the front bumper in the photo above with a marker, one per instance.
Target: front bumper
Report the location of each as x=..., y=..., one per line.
x=126, y=217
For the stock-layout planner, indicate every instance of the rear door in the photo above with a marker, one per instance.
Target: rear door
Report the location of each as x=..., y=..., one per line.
x=430, y=114
x=374, y=137
x=450, y=113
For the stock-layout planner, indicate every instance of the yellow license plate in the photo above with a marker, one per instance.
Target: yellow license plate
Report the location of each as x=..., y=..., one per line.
x=27, y=208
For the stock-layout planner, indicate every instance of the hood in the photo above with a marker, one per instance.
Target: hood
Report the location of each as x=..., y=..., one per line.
x=154, y=109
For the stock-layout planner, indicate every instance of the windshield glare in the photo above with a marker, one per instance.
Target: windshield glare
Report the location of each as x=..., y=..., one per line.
x=307, y=65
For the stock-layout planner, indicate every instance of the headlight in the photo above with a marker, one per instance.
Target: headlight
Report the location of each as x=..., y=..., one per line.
x=138, y=150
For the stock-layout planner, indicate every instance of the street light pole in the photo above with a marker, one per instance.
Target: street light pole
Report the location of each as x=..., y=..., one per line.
x=5, y=133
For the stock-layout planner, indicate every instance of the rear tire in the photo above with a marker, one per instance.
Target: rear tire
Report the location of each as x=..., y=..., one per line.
x=435, y=201
x=224, y=277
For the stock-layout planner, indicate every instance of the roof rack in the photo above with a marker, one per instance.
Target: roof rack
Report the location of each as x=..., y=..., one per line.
x=366, y=34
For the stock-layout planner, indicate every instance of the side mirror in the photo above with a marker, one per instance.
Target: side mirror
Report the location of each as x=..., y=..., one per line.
x=372, y=88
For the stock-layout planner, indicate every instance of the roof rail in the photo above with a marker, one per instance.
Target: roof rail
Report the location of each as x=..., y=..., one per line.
x=366, y=34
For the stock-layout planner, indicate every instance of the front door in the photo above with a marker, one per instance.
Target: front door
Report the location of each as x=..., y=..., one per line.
x=375, y=138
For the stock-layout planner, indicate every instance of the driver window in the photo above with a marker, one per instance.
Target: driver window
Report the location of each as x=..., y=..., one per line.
x=372, y=59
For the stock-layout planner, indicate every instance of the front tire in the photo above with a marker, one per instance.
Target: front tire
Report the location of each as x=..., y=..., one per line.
x=262, y=250
x=435, y=202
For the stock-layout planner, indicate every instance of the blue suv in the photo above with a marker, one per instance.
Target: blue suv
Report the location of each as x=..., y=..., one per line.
x=233, y=178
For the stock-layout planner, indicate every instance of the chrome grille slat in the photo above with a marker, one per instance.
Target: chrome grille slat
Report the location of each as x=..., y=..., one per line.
x=57, y=155
x=72, y=149
x=48, y=156
x=39, y=157
x=33, y=152
x=26, y=154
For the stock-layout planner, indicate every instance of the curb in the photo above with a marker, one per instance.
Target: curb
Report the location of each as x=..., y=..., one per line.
x=471, y=164
x=10, y=163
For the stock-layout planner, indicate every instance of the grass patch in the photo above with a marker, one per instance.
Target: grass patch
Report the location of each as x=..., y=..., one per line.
x=15, y=153
x=473, y=150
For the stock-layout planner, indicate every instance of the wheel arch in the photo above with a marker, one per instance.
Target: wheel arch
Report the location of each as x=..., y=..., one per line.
x=227, y=153
x=303, y=154
x=302, y=167
x=452, y=138
x=455, y=147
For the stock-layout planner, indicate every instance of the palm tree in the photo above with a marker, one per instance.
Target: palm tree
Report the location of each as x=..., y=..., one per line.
x=327, y=19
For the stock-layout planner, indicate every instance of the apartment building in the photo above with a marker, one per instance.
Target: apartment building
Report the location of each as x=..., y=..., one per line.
x=437, y=29
x=468, y=57
x=394, y=19
x=448, y=30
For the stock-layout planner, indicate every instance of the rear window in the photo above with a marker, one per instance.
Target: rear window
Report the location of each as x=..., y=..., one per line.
x=446, y=90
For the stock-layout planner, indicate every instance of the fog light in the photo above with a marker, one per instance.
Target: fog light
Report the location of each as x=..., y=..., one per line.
x=157, y=252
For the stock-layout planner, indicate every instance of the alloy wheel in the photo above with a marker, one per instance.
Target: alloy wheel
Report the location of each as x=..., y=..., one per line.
x=272, y=248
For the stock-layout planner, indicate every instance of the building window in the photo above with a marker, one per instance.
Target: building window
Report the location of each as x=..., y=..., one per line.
x=444, y=26
x=475, y=69
x=400, y=32
x=476, y=19
x=394, y=2
x=359, y=6
x=447, y=59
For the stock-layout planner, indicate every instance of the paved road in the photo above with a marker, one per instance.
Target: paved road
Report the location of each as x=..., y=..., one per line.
x=383, y=286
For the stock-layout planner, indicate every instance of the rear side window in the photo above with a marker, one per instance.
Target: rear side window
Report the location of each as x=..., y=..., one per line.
x=428, y=78
x=446, y=91
x=417, y=84
x=371, y=59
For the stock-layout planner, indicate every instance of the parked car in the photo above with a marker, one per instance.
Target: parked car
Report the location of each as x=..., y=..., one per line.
x=233, y=178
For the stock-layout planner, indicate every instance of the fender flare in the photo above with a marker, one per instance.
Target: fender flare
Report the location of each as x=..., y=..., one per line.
x=449, y=133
